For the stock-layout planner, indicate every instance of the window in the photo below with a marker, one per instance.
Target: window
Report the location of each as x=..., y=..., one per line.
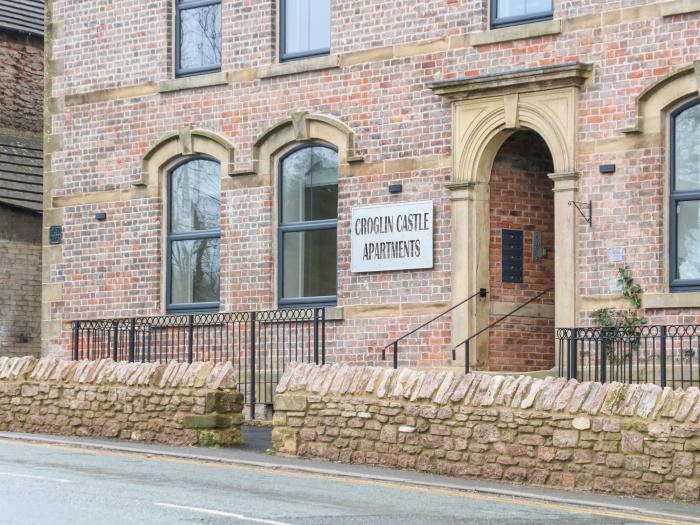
x=194, y=236
x=685, y=197
x=512, y=12
x=308, y=226
x=197, y=37
x=305, y=28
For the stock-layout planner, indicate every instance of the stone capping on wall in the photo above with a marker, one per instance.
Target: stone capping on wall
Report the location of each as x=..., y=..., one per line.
x=646, y=401
x=175, y=403
x=107, y=372
x=634, y=440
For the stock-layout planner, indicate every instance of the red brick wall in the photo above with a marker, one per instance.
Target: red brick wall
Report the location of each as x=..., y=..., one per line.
x=385, y=101
x=21, y=82
x=521, y=198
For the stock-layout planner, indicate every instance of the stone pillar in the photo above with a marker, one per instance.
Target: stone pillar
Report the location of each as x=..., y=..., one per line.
x=565, y=251
x=470, y=267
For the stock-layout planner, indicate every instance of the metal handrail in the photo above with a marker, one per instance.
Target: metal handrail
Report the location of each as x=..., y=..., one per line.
x=481, y=294
x=477, y=334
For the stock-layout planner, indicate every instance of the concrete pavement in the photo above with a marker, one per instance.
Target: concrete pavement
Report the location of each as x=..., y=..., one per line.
x=64, y=480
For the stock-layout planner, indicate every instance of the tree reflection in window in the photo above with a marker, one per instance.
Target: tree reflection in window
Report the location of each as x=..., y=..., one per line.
x=198, y=36
x=685, y=197
x=308, y=226
x=194, y=235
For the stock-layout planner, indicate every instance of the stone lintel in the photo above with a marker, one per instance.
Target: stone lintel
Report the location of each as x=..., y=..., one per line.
x=572, y=74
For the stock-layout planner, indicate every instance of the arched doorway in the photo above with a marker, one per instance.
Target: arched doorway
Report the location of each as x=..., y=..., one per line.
x=486, y=112
x=521, y=255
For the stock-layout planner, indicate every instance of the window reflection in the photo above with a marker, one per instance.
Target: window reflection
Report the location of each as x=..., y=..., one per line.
x=306, y=27
x=685, y=198
x=199, y=30
x=194, y=235
x=308, y=226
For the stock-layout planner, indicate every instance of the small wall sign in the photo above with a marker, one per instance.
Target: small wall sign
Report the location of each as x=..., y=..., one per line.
x=392, y=237
x=55, y=234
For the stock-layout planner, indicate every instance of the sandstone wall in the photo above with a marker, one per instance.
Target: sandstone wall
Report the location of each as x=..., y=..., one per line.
x=625, y=439
x=177, y=403
x=20, y=278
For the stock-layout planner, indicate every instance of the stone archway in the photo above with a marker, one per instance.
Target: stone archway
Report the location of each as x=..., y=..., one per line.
x=486, y=112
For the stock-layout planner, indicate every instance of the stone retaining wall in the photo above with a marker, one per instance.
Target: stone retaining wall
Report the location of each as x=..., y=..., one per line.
x=625, y=439
x=177, y=403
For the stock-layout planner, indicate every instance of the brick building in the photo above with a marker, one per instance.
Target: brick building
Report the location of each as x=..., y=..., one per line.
x=21, y=194
x=225, y=145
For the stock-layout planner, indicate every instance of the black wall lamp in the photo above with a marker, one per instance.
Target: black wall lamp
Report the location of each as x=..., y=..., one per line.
x=100, y=216
x=395, y=188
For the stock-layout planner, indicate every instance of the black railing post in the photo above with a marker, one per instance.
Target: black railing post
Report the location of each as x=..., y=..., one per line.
x=604, y=359
x=190, y=338
x=630, y=367
x=316, y=335
x=132, y=339
x=573, y=366
x=662, y=354
x=115, y=344
x=323, y=336
x=252, y=365
x=76, y=339
x=466, y=356
x=396, y=355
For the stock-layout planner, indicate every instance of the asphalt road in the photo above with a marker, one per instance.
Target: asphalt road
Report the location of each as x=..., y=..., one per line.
x=58, y=484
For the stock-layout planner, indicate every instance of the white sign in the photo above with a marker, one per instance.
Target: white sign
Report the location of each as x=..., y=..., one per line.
x=392, y=237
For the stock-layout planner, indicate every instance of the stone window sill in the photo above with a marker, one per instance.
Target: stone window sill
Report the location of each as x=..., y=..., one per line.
x=299, y=66
x=335, y=313
x=672, y=300
x=679, y=7
x=193, y=82
x=507, y=34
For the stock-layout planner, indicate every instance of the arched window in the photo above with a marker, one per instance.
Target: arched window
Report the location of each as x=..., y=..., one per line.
x=685, y=197
x=308, y=226
x=194, y=235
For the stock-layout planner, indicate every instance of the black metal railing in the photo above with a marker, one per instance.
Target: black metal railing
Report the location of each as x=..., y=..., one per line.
x=666, y=355
x=467, y=342
x=395, y=344
x=258, y=344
